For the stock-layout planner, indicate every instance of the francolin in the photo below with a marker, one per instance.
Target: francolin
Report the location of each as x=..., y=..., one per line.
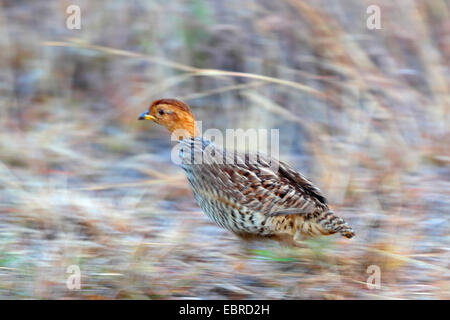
x=248, y=194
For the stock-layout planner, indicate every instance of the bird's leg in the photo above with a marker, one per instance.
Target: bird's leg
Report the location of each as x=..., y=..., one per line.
x=244, y=247
x=242, y=254
x=245, y=250
x=299, y=240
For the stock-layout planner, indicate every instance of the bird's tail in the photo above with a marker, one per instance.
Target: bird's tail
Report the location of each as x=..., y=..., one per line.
x=333, y=224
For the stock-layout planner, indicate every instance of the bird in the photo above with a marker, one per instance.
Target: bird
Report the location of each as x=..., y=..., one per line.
x=246, y=193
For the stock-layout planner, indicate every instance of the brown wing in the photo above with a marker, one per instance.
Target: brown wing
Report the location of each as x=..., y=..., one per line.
x=301, y=182
x=262, y=184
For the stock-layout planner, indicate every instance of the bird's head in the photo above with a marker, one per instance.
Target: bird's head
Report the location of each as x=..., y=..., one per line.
x=173, y=114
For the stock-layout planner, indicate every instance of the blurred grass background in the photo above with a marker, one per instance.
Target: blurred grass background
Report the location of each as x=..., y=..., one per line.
x=363, y=113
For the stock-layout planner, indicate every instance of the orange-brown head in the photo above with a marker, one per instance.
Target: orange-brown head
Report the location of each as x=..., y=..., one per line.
x=173, y=114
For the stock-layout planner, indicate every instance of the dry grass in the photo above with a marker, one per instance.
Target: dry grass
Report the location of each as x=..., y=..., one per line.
x=364, y=114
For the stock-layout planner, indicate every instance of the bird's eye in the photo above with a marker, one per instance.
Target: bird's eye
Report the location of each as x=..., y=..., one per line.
x=161, y=111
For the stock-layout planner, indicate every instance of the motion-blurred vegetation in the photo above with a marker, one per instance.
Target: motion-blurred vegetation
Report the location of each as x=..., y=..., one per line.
x=363, y=113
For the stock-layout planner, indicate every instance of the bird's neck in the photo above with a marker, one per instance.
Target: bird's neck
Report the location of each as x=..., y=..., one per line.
x=183, y=127
x=184, y=131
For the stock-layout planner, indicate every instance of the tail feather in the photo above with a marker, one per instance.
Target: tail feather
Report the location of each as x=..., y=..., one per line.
x=333, y=224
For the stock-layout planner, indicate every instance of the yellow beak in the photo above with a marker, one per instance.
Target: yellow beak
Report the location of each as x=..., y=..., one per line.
x=146, y=116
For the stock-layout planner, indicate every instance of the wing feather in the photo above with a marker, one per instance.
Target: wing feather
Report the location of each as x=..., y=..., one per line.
x=252, y=182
